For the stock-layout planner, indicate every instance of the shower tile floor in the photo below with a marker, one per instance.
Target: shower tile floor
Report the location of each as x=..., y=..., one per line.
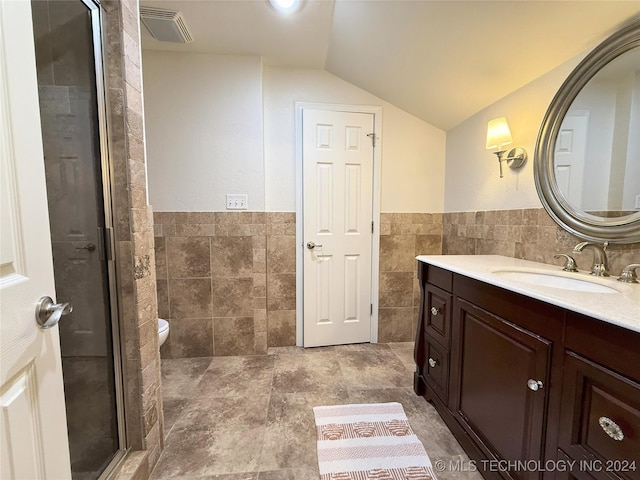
x=251, y=418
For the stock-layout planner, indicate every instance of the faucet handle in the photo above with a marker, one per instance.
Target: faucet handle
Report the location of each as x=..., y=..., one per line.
x=628, y=274
x=569, y=264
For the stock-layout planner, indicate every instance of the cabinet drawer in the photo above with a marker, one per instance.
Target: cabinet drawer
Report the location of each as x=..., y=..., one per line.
x=600, y=418
x=437, y=317
x=436, y=368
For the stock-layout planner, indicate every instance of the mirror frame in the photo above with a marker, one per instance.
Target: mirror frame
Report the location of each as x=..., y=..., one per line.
x=614, y=230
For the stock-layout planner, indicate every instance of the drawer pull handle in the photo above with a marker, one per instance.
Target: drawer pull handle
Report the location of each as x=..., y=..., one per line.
x=432, y=362
x=534, y=385
x=611, y=428
x=434, y=311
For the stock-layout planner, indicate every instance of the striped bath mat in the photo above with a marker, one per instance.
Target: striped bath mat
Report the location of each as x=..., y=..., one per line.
x=369, y=442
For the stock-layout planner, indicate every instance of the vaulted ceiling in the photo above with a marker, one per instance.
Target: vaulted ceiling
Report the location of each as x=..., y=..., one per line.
x=441, y=61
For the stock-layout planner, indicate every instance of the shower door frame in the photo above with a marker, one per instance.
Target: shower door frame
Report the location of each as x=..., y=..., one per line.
x=106, y=166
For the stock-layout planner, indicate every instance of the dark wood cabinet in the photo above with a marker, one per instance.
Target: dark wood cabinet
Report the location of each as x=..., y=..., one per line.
x=600, y=419
x=518, y=379
x=498, y=380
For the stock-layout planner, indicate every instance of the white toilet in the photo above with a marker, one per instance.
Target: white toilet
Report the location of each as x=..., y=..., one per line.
x=163, y=331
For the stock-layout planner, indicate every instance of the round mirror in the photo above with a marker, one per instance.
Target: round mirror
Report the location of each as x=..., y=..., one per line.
x=587, y=159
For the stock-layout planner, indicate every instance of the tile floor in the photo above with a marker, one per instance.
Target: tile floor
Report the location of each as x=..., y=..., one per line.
x=251, y=418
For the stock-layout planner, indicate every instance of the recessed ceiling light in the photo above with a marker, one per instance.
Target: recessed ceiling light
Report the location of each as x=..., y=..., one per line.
x=286, y=6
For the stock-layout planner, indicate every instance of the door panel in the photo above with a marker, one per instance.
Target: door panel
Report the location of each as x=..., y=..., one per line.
x=337, y=198
x=570, y=156
x=31, y=388
x=68, y=59
x=495, y=360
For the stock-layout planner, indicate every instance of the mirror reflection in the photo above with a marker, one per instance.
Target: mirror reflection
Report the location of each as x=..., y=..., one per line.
x=597, y=150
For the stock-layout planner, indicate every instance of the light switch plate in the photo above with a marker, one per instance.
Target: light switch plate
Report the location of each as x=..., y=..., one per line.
x=237, y=201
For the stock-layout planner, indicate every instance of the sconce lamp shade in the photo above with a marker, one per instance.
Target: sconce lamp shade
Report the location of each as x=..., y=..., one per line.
x=498, y=134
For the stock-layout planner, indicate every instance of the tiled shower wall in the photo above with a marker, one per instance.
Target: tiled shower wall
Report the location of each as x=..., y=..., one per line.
x=133, y=238
x=530, y=234
x=226, y=280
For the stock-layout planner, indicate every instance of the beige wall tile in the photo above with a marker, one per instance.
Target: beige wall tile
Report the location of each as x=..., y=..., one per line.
x=188, y=257
x=428, y=245
x=281, y=254
x=397, y=252
x=162, y=287
x=194, y=230
x=260, y=319
x=281, y=291
x=282, y=328
x=530, y=234
x=396, y=289
x=395, y=324
x=231, y=257
x=232, y=297
x=161, y=258
x=234, y=336
x=190, y=298
x=191, y=337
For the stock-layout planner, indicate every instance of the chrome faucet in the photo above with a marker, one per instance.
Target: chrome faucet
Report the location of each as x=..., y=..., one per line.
x=600, y=266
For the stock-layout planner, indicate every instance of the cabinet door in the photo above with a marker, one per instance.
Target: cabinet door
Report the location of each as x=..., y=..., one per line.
x=600, y=419
x=493, y=362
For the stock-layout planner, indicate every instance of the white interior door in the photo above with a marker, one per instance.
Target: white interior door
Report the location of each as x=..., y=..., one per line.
x=337, y=168
x=32, y=419
x=570, y=156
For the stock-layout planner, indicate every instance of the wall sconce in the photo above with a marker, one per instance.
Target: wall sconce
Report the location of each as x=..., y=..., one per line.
x=498, y=136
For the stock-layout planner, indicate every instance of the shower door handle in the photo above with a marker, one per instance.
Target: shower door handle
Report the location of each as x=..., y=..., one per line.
x=48, y=314
x=90, y=247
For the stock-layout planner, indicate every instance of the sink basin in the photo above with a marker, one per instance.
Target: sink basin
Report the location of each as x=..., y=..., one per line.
x=558, y=280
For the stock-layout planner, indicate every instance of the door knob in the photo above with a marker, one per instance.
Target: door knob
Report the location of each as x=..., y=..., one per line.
x=534, y=385
x=312, y=245
x=48, y=313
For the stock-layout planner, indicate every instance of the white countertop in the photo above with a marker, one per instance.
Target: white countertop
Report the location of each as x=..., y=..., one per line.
x=621, y=308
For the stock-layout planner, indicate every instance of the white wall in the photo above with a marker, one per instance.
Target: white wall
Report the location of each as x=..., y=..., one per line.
x=413, y=151
x=203, y=116
x=472, y=180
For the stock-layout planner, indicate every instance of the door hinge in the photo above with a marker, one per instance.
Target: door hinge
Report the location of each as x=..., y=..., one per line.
x=371, y=227
x=371, y=310
x=372, y=136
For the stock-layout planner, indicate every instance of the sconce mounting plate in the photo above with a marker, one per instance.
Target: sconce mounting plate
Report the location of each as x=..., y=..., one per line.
x=516, y=157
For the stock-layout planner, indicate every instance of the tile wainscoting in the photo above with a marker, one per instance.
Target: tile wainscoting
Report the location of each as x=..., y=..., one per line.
x=402, y=237
x=227, y=284
x=226, y=280
x=214, y=270
x=530, y=234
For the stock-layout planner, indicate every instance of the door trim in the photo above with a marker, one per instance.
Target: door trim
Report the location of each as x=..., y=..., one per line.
x=376, y=111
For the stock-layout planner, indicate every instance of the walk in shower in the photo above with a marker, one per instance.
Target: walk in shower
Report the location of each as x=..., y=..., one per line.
x=70, y=86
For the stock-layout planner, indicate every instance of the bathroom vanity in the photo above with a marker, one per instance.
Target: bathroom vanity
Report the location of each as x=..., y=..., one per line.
x=527, y=363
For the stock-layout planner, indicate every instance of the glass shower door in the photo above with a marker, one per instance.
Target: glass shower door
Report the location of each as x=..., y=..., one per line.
x=67, y=37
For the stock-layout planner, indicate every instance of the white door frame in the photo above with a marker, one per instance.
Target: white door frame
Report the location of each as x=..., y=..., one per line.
x=375, y=242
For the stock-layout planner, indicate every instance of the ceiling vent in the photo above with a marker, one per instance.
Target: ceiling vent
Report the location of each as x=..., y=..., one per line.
x=165, y=25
